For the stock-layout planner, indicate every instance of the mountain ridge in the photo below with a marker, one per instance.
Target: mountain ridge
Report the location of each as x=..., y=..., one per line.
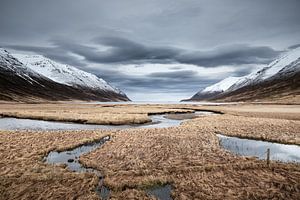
x=24, y=82
x=280, y=76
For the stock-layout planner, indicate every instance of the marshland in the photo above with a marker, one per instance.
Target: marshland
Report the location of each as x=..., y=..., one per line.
x=152, y=151
x=159, y=99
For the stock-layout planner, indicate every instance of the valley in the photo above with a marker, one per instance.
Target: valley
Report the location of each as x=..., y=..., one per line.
x=188, y=157
x=150, y=100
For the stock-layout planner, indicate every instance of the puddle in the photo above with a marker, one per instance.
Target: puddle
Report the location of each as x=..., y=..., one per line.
x=161, y=192
x=71, y=157
x=257, y=148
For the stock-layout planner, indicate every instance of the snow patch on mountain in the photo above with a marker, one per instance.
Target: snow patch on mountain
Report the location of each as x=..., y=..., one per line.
x=222, y=85
x=9, y=62
x=64, y=74
x=289, y=60
x=280, y=63
x=287, y=64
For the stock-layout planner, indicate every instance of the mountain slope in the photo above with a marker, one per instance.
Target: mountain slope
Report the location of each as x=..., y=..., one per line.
x=288, y=59
x=64, y=74
x=42, y=79
x=215, y=89
x=280, y=79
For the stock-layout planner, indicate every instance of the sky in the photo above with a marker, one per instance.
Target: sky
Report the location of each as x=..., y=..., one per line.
x=154, y=50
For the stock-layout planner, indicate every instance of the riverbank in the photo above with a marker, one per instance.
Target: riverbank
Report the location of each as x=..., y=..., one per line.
x=187, y=157
x=276, y=123
x=190, y=159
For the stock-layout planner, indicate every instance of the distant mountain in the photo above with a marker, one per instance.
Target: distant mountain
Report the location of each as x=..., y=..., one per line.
x=37, y=78
x=216, y=89
x=279, y=79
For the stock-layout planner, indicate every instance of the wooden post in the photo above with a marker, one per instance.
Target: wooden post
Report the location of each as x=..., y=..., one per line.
x=268, y=156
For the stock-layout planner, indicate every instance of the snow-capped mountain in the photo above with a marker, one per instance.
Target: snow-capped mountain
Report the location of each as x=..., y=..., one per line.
x=216, y=88
x=222, y=85
x=288, y=61
x=37, y=77
x=63, y=74
x=281, y=75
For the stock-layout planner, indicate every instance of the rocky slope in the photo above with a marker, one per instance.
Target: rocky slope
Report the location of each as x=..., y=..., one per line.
x=36, y=78
x=280, y=79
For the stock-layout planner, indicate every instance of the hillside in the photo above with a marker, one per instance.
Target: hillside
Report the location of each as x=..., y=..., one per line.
x=36, y=78
x=279, y=80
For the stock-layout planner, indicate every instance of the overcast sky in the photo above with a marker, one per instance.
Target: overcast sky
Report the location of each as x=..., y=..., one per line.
x=153, y=49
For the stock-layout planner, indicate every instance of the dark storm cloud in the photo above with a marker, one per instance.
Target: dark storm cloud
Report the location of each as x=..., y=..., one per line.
x=207, y=33
x=179, y=75
x=294, y=46
x=230, y=55
x=54, y=53
x=125, y=51
x=158, y=82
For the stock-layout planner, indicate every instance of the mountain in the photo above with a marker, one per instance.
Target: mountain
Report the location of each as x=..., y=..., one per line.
x=280, y=79
x=37, y=78
x=216, y=89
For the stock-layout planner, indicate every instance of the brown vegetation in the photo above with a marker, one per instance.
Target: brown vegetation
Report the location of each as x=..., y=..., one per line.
x=24, y=175
x=189, y=156
x=260, y=110
x=276, y=130
x=86, y=113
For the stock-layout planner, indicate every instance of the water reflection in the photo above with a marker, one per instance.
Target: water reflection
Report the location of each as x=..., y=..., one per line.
x=158, y=121
x=247, y=147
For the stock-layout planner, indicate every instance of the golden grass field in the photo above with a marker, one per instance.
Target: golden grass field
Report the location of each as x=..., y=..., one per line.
x=188, y=156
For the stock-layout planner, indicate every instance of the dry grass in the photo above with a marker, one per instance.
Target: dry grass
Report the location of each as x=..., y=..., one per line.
x=86, y=113
x=23, y=175
x=277, y=130
x=260, y=110
x=188, y=156
x=181, y=116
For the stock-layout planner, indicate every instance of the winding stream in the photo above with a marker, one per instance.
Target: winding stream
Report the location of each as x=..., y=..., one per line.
x=244, y=147
x=70, y=158
x=158, y=121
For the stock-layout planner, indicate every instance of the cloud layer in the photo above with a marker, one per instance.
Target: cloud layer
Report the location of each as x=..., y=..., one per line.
x=189, y=44
x=124, y=51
